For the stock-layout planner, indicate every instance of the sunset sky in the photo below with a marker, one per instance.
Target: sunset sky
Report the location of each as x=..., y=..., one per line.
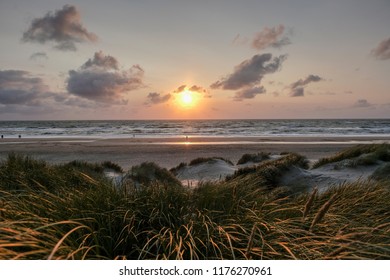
x=150, y=59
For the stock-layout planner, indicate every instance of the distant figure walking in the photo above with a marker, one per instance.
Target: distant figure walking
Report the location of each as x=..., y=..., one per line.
x=20, y=136
x=2, y=136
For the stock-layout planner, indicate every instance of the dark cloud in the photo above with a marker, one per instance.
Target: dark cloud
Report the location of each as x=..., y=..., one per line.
x=180, y=89
x=382, y=51
x=296, y=92
x=362, y=103
x=201, y=90
x=21, y=88
x=248, y=75
x=98, y=80
x=250, y=72
x=194, y=88
x=157, y=98
x=309, y=79
x=298, y=88
x=63, y=27
x=101, y=60
x=270, y=37
x=198, y=89
x=248, y=93
x=39, y=55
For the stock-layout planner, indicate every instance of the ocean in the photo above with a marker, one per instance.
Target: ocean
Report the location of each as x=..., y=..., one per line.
x=194, y=128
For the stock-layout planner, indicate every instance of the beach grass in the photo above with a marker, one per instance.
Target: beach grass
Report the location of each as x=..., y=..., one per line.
x=367, y=154
x=149, y=173
x=253, y=158
x=382, y=173
x=268, y=173
x=72, y=211
x=201, y=160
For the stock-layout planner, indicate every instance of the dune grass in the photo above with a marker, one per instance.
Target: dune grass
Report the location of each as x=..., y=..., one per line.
x=208, y=159
x=197, y=161
x=382, y=173
x=368, y=154
x=69, y=212
x=267, y=173
x=255, y=158
x=149, y=173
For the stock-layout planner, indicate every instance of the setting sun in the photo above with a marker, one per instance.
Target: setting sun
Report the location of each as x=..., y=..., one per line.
x=186, y=98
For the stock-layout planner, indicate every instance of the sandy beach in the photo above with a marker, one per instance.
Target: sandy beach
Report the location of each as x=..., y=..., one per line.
x=169, y=152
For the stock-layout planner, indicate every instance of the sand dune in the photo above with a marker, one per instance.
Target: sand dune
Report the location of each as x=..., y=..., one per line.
x=325, y=177
x=296, y=178
x=212, y=170
x=170, y=152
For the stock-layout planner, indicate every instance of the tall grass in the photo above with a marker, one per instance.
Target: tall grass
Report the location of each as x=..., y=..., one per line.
x=359, y=155
x=73, y=212
x=268, y=173
x=254, y=158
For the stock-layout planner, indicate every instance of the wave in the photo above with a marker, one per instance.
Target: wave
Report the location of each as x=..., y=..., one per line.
x=229, y=128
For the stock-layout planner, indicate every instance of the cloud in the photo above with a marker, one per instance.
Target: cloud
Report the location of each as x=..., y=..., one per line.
x=194, y=88
x=63, y=27
x=239, y=40
x=362, y=103
x=39, y=55
x=309, y=79
x=250, y=72
x=180, y=89
x=249, y=93
x=198, y=89
x=157, y=98
x=298, y=88
x=247, y=76
x=382, y=51
x=101, y=60
x=296, y=92
x=270, y=37
x=21, y=88
x=98, y=80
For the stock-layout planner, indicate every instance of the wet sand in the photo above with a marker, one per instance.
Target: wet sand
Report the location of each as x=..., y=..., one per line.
x=169, y=152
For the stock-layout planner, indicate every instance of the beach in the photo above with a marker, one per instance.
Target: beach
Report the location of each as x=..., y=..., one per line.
x=171, y=151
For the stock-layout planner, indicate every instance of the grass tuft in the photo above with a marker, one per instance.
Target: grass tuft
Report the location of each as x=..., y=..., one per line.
x=269, y=172
x=382, y=173
x=72, y=212
x=149, y=173
x=359, y=155
x=255, y=158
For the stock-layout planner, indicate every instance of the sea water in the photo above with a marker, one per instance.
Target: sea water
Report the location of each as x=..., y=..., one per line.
x=194, y=128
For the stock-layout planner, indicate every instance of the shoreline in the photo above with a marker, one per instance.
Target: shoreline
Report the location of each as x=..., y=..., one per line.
x=171, y=151
x=204, y=138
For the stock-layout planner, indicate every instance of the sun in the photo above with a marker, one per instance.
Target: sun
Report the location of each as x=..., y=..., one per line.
x=187, y=98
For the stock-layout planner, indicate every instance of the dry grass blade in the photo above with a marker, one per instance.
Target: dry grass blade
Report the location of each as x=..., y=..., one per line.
x=228, y=237
x=337, y=253
x=288, y=250
x=309, y=203
x=321, y=213
x=250, y=242
x=57, y=246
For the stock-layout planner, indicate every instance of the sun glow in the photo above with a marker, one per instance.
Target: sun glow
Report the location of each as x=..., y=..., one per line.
x=187, y=98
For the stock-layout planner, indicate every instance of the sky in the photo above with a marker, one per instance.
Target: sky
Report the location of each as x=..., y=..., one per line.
x=172, y=59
